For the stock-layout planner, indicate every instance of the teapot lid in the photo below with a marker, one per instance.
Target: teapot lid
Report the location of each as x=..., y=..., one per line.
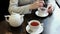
x=17, y=14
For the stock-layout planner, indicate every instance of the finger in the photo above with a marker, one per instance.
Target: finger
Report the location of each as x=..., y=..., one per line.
x=50, y=10
x=49, y=7
x=41, y=5
x=41, y=1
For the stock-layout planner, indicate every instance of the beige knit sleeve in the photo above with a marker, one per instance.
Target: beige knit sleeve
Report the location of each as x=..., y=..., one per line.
x=13, y=7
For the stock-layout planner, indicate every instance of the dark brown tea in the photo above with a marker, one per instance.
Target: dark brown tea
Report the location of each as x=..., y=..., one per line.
x=34, y=24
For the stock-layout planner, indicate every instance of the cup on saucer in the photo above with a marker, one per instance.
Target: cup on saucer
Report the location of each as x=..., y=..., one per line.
x=42, y=12
x=34, y=26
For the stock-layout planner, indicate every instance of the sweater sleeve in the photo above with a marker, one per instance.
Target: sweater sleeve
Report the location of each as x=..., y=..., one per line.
x=13, y=7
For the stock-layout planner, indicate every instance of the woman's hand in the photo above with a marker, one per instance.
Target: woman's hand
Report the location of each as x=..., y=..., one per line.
x=50, y=9
x=36, y=4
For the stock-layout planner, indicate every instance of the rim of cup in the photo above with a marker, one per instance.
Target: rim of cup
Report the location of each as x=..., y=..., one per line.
x=29, y=23
x=42, y=8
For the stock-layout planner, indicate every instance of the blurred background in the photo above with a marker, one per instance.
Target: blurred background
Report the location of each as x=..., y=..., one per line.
x=3, y=8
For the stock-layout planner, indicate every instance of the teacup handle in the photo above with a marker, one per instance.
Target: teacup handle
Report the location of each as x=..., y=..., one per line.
x=6, y=17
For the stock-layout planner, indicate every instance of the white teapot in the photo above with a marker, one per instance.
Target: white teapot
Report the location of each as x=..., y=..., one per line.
x=15, y=19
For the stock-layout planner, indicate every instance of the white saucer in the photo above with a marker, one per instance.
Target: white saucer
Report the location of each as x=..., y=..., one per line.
x=37, y=32
x=43, y=15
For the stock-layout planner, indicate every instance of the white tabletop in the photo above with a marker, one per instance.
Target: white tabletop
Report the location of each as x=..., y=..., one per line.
x=52, y=25
x=55, y=24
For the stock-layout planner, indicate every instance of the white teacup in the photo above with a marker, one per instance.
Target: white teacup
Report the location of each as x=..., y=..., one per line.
x=42, y=11
x=34, y=25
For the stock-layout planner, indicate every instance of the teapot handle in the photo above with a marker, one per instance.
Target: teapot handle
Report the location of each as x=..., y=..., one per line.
x=6, y=17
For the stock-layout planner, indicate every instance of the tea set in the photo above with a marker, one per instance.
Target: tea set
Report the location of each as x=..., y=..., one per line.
x=16, y=20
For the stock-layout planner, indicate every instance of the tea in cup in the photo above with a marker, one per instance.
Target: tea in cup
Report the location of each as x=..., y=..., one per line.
x=34, y=25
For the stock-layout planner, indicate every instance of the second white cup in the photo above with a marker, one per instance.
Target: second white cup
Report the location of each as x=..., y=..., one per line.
x=42, y=11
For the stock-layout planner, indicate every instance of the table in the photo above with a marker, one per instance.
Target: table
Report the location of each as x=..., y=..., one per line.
x=52, y=23
x=49, y=24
